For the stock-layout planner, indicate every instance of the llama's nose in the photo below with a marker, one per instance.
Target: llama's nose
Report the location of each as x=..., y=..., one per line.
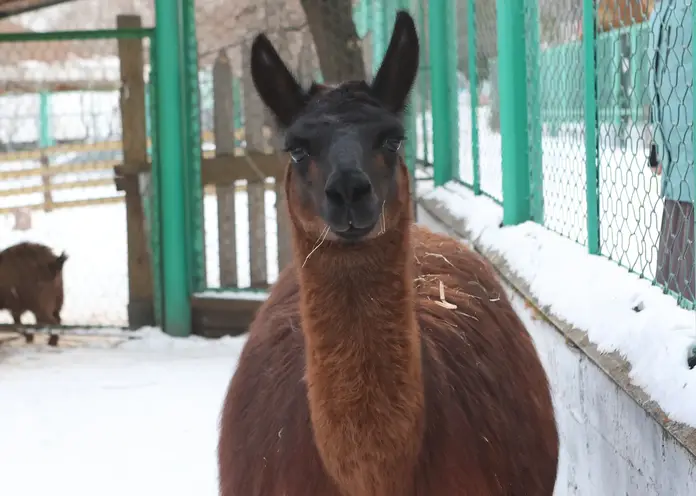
x=346, y=188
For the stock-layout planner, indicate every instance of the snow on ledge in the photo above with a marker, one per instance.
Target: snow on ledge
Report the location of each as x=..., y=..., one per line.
x=593, y=294
x=234, y=294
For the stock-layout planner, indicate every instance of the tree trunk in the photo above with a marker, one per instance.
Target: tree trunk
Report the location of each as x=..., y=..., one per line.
x=336, y=39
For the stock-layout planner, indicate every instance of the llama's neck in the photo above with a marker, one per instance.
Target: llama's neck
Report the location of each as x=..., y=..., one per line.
x=363, y=360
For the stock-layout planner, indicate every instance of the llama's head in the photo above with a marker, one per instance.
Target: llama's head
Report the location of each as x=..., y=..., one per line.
x=345, y=172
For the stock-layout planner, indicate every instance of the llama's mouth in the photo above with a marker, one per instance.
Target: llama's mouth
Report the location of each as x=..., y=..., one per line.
x=352, y=233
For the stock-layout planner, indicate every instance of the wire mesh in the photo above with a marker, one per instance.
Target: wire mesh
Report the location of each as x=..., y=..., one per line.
x=420, y=97
x=60, y=138
x=246, y=236
x=483, y=134
x=643, y=95
x=645, y=101
x=558, y=58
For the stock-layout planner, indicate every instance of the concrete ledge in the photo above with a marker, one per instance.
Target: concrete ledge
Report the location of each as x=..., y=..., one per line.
x=613, y=365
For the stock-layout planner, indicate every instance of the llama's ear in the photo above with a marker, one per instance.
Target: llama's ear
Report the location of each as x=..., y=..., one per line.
x=276, y=85
x=398, y=71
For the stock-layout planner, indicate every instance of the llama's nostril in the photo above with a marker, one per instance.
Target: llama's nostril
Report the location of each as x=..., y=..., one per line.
x=361, y=190
x=347, y=188
x=335, y=196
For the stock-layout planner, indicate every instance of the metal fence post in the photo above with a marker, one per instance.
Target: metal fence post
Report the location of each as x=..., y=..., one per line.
x=380, y=32
x=512, y=73
x=473, y=93
x=590, y=90
x=443, y=74
x=535, y=119
x=193, y=188
x=168, y=37
x=693, y=133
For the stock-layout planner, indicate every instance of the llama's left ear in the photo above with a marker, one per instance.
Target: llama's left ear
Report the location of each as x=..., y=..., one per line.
x=398, y=71
x=274, y=82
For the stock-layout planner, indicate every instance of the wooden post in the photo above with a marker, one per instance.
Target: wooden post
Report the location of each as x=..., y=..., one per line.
x=134, y=141
x=223, y=124
x=255, y=140
x=46, y=182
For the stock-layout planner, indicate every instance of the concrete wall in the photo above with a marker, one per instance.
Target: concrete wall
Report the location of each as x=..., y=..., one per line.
x=610, y=445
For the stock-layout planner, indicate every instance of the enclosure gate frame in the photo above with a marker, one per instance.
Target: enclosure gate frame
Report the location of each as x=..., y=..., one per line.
x=129, y=35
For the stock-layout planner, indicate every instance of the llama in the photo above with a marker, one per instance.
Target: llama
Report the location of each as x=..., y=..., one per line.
x=387, y=360
x=31, y=279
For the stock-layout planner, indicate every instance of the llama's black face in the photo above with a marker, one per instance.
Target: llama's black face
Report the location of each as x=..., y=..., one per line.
x=343, y=141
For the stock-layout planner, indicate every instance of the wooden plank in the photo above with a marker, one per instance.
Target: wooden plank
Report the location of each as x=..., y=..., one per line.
x=134, y=137
x=228, y=169
x=46, y=184
x=253, y=130
x=223, y=315
x=55, y=170
x=223, y=124
x=86, y=184
x=35, y=154
x=88, y=202
x=225, y=169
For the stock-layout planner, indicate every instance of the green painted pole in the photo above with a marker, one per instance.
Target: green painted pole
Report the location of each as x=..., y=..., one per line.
x=634, y=67
x=534, y=89
x=693, y=135
x=45, y=135
x=513, y=111
x=193, y=193
x=410, y=117
x=443, y=105
x=380, y=33
x=422, y=82
x=473, y=91
x=168, y=34
x=591, y=163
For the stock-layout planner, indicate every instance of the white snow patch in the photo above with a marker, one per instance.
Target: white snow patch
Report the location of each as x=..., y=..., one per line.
x=596, y=295
x=141, y=419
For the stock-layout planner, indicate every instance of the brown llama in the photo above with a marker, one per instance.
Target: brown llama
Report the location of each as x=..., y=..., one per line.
x=31, y=279
x=387, y=361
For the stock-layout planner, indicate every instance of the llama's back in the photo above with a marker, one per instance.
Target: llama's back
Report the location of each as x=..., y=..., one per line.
x=490, y=427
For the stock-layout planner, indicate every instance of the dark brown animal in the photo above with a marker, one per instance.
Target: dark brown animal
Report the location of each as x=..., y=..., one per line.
x=31, y=279
x=387, y=361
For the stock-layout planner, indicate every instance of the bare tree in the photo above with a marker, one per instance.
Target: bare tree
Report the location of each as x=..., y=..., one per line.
x=336, y=39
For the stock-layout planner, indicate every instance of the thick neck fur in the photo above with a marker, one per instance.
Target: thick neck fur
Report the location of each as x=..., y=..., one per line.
x=363, y=366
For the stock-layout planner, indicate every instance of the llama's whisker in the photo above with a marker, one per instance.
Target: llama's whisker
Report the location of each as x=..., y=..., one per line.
x=384, y=220
x=320, y=240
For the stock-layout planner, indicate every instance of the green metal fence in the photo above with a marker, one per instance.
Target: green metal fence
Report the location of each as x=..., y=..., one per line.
x=570, y=149
x=538, y=105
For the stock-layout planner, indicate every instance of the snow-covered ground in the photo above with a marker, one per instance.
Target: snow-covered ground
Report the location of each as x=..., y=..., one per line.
x=140, y=419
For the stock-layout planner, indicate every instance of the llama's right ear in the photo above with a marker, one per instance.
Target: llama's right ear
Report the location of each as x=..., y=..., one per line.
x=398, y=71
x=276, y=85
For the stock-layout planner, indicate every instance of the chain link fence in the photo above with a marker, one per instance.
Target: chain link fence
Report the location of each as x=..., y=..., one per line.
x=479, y=130
x=60, y=139
x=609, y=88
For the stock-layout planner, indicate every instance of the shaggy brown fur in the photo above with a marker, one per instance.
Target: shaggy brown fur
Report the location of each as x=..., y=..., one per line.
x=390, y=364
x=31, y=279
x=357, y=381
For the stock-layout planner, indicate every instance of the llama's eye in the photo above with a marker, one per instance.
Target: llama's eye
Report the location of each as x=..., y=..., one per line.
x=298, y=154
x=392, y=144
